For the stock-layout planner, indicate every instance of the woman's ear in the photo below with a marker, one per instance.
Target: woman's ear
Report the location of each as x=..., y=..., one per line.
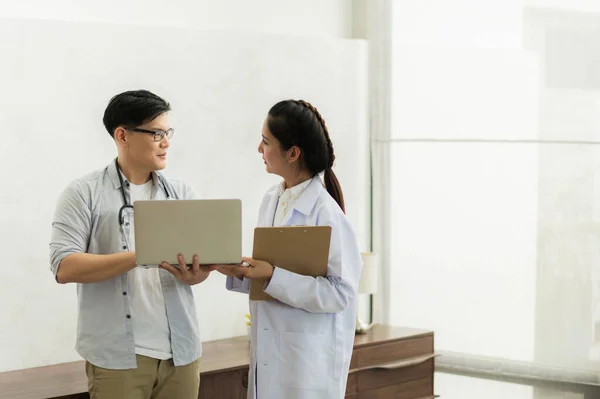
x=294, y=154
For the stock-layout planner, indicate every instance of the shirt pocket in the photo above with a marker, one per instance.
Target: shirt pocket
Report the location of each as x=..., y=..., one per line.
x=306, y=361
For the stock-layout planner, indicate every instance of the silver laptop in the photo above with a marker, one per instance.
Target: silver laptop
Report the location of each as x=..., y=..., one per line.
x=212, y=229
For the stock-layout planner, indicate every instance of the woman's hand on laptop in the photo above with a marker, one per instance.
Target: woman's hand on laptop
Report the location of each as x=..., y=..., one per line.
x=189, y=275
x=254, y=269
x=230, y=270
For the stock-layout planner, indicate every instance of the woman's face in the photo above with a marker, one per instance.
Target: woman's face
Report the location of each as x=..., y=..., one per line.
x=276, y=160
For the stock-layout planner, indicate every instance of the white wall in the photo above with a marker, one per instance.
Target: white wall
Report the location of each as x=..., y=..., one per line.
x=54, y=145
x=568, y=255
x=566, y=5
x=458, y=23
x=326, y=18
x=497, y=243
x=464, y=215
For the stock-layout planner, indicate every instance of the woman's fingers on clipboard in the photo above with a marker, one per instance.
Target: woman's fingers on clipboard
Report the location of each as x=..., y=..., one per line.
x=258, y=268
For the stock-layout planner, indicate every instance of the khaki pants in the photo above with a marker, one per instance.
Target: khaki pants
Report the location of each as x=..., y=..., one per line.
x=152, y=379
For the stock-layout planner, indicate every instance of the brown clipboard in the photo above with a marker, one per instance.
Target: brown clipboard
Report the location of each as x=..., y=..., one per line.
x=299, y=249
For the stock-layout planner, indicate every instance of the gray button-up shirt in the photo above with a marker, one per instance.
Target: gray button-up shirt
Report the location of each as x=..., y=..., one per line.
x=86, y=220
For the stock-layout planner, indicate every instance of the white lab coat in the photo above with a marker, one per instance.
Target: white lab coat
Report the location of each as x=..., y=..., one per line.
x=301, y=343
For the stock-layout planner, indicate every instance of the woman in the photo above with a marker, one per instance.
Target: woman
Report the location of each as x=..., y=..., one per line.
x=301, y=343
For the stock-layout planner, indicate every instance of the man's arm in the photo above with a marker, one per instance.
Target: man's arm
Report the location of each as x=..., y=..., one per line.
x=91, y=268
x=71, y=230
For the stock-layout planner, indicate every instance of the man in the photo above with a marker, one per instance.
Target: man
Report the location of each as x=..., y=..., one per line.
x=137, y=327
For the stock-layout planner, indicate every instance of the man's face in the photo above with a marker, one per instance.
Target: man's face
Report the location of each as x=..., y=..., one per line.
x=141, y=148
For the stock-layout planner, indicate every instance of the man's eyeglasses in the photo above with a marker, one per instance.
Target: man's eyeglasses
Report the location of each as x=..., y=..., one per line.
x=158, y=134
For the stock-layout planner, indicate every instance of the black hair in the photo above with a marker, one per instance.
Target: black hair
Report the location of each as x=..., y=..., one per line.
x=298, y=123
x=132, y=109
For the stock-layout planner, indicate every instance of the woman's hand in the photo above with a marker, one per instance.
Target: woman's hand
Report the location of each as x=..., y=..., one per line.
x=258, y=268
x=231, y=270
x=255, y=269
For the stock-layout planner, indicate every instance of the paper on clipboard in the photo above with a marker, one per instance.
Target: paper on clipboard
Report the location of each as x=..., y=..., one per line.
x=299, y=249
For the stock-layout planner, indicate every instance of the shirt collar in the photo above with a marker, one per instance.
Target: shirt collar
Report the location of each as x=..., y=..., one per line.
x=114, y=177
x=294, y=191
x=305, y=194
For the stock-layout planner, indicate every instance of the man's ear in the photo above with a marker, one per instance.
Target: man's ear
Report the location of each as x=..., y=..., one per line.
x=121, y=136
x=294, y=154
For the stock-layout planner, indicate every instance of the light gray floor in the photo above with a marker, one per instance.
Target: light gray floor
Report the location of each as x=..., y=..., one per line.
x=453, y=386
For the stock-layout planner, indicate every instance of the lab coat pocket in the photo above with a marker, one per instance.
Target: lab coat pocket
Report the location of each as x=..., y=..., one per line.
x=306, y=362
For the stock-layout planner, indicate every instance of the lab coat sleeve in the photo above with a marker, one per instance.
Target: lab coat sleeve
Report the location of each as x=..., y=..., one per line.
x=243, y=285
x=238, y=285
x=330, y=294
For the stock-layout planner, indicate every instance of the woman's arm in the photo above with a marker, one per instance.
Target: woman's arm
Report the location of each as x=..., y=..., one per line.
x=330, y=294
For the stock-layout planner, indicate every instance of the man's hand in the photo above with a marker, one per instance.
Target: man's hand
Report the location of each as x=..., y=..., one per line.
x=256, y=269
x=191, y=276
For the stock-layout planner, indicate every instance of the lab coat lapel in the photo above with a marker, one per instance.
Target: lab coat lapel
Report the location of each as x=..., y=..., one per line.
x=305, y=203
x=269, y=215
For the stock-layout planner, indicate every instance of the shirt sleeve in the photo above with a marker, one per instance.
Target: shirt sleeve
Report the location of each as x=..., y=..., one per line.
x=190, y=193
x=71, y=226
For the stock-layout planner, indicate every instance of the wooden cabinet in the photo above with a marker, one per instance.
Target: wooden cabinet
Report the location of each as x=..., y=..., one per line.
x=392, y=362
x=387, y=362
x=230, y=384
x=224, y=368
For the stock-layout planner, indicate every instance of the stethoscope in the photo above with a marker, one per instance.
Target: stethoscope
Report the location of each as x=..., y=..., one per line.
x=126, y=204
